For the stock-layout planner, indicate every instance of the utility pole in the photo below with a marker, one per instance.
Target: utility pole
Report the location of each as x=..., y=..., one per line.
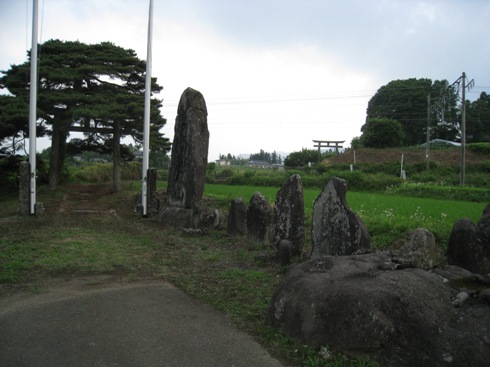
x=32, y=110
x=146, y=117
x=464, y=86
x=427, y=142
x=463, y=133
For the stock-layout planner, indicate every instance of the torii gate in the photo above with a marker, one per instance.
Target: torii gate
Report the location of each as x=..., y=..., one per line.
x=328, y=144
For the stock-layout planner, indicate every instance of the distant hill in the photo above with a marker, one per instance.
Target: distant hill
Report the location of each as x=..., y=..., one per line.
x=446, y=157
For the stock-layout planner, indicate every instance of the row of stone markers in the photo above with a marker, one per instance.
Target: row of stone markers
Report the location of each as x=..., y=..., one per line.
x=337, y=230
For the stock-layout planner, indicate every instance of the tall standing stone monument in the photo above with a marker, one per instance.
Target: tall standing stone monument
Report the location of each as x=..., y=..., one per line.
x=189, y=151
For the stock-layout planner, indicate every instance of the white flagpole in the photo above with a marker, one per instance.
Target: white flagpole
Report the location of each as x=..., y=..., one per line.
x=146, y=126
x=32, y=109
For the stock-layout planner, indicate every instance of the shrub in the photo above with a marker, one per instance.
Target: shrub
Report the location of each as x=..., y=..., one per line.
x=480, y=148
x=302, y=158
x=443, y=192
x=226, y=172
x=102, y=172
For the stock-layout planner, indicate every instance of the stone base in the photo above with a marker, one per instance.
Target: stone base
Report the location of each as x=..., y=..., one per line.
x=199, y=217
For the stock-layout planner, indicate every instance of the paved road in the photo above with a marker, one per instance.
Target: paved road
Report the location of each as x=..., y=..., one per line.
x=95, y=323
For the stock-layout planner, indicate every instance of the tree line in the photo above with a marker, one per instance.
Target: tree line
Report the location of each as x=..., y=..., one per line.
x=397, y=115
x=272, y=158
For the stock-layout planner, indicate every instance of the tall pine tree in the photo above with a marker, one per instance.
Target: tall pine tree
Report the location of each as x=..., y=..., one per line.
x=94, y=89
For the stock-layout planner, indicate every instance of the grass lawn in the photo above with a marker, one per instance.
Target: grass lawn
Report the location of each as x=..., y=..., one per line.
x=87, y=229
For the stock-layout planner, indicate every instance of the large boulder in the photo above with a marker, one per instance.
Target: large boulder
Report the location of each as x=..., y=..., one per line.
x=361, y=305
x=469, y=244
x=189, y=151
x=336, y=229
x=289, y=215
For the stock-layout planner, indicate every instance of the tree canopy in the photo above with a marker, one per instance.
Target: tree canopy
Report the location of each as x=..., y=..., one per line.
x=94, y=89
x=478, y=119
x=301, y=158
x=382, y=133
x=406, y=102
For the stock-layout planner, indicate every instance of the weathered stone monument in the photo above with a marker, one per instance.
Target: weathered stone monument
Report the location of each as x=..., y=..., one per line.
x=336, y=229
x=189, y=151
x=188, y=168
x=289, y=215
x=237, y=218
x=469, y=244
x=259, y=218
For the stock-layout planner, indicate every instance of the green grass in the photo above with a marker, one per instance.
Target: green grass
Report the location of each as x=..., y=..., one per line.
x=220, y=270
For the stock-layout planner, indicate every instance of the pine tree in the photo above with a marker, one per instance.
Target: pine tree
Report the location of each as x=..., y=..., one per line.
x=95, y=89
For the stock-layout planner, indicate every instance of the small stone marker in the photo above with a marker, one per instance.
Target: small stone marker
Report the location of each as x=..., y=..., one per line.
x=189, y=151
x=469, y=244
x=259, y=218
x=420, y=250
x=284, y=252
x=152, y=199
x=237, y=218
x=24, y=192
x=337, y=230
x=289, y=215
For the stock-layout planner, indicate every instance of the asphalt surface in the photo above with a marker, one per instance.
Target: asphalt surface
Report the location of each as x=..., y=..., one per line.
x=92, y=322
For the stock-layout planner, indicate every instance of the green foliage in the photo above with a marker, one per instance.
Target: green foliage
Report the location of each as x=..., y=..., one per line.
x=480, y=148
x=226, y=172
x=478, y=117
x=443, y=192
x=9, y=172
x=382, y=133
x=14, y=124
x=100, y=86
x=406, y=102
x=302, y=158
x=102, y=172
x=356, y=143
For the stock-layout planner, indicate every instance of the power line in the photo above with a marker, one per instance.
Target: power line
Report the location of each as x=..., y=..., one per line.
x=272, y=99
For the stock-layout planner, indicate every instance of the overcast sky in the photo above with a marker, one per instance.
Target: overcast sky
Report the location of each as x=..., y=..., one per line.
x=275, y=74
